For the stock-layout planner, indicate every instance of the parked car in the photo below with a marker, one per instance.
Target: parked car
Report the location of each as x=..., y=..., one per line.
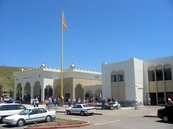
x=7, y=109
x=82, y=109
x=110, y=105
x=30, y=115
x=166, y=114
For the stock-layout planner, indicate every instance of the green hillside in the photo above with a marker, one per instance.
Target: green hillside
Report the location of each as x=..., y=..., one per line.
x=6, y=78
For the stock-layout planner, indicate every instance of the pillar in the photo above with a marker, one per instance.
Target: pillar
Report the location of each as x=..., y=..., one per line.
x=14, y=92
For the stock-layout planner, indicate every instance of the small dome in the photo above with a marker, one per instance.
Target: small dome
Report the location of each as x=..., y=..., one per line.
x=22, y=69
x=72, y=66
x=43, y=65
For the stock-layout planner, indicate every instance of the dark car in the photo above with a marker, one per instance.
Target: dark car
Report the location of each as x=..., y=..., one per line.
x=166, y=114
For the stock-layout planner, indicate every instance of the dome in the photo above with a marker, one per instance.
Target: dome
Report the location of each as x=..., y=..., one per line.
x=43, y=65
x=22, y=69
x=72, y=66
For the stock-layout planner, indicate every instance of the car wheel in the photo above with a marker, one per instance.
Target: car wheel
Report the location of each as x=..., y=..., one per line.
x=20, y=123
x=48, y=118
x=82, y=113
x=165, y=118
x=68, y=112
x=2, y=119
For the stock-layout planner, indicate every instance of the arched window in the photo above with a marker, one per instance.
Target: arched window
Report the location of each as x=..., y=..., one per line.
x=120, y=76
x=151, y=74
x=167, y=72
x=159, y=74
x=114, y=76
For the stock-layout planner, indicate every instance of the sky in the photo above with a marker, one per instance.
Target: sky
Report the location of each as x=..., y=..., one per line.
x=98, y=31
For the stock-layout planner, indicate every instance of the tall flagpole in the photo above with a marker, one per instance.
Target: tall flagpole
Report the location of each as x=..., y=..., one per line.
x=62, y=47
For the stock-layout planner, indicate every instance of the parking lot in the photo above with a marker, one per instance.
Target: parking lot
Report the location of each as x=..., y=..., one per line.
x=123, y=118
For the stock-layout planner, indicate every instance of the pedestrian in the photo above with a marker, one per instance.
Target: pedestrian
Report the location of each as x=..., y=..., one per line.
x=49, y=102
x=74, y=102
x=46, y=101
x=79, y=101
x=69, y=102
x=36, y=101
x=136, y=103
x=58, y=101
x=103, y=103
x=149, y=101
x=55, y=101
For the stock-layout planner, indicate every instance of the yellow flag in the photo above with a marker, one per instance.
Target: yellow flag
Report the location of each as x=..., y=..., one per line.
x=63, y=21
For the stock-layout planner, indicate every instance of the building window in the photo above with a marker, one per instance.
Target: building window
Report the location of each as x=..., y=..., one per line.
x=67, y=95
x=167, y=73
x=151, y=75
x=159, y=75
x=120, y=78
x=113, y=78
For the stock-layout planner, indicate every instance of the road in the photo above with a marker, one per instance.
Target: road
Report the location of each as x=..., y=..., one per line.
x=120, y=119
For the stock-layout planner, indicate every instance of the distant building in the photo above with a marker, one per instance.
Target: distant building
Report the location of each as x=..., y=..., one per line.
x=134, y=77
x=45, y=82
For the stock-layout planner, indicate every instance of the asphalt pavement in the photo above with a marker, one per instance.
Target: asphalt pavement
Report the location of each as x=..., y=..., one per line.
x=144, y=111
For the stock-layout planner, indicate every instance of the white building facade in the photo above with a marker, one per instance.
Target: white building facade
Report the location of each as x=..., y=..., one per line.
x=135, y=77
x=45, y=82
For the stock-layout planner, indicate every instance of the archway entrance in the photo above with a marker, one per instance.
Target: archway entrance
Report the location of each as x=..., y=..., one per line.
x=79, y=91
x=19, y=92
x=27, y=94
x=37, y=90
x=48, y=91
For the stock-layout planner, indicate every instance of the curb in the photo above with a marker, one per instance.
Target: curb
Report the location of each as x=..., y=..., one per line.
x=150, y=116
x=55, y=127
x=65, y=112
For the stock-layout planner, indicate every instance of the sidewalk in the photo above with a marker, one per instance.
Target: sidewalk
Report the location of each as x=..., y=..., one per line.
x=144, y=111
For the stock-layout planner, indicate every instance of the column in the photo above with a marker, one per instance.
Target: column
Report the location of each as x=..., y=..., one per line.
x=32, y=91
x=14, y=92
x=23, y=92
x=42, y=94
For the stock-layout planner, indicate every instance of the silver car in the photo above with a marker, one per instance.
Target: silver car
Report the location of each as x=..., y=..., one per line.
x=82, y=109
x=30, y=115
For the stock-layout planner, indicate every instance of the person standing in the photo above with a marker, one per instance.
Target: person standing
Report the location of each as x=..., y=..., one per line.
x=36, y=101
x=55, y=101
x=136, y=103
x=49, y=102
x=69, y=102
x=149, y=101
x=103, y=103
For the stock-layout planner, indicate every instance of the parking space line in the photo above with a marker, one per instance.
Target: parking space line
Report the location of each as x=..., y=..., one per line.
x=106, y=122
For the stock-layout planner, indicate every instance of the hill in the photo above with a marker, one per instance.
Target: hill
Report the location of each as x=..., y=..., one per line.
x=6, y=78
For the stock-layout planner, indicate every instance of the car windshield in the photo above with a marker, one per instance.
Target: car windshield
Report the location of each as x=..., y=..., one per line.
x=86, y=105
x=25, y=112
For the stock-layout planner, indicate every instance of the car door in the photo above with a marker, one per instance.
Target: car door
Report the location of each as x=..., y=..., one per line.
x=170, y=112
x=12, y=110
x=33, y=115
x=73, y=109
x=78, y=109
x=42, y=114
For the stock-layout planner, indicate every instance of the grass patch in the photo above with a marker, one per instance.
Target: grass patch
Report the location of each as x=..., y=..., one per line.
x=59, y=122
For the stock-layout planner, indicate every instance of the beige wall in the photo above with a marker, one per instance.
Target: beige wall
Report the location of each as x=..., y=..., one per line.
x=70, y=86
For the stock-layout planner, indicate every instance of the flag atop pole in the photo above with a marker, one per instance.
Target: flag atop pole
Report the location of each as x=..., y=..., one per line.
x=63, y=21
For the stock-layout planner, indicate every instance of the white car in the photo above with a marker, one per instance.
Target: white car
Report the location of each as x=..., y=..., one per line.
x=82, y=109
x=30, y=115
x=7, y=109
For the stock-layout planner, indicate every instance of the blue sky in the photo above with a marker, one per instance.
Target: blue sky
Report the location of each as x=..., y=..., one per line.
x=98, y=31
